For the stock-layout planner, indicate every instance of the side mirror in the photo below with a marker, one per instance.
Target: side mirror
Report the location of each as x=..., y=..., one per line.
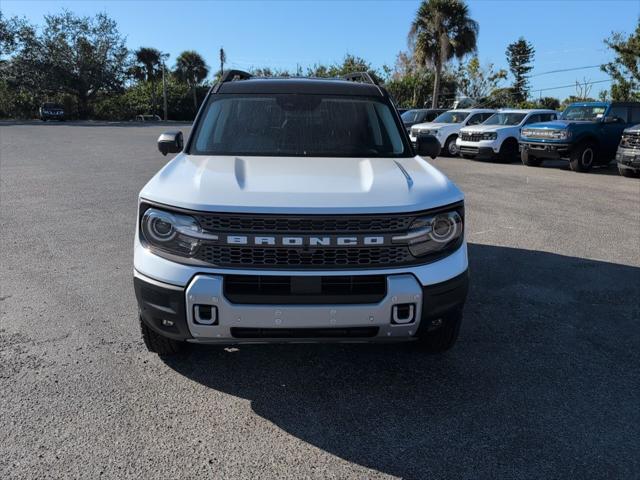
x=170, y=142
x=612, y=120
x=427, y=146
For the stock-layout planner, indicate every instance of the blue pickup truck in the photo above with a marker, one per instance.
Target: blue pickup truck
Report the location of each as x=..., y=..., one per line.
x=586, y=134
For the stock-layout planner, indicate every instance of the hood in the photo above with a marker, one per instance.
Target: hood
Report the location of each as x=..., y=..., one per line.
x=487, y=128
x=433, y=126
x=300, y=184
x=558, y=124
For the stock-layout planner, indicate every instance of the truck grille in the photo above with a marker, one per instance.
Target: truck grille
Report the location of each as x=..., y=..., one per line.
x=630, y=140
x=250, y=223
x=470, y=137
x=260, y=257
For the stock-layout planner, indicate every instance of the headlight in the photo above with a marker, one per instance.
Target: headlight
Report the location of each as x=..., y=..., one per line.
x=489, y=136
x=432, y=234
x=172, y=232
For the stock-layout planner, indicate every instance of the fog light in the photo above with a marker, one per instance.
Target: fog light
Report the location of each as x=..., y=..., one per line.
x=167, y=323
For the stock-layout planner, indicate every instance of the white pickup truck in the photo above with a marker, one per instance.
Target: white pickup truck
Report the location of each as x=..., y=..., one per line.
x=298, y=211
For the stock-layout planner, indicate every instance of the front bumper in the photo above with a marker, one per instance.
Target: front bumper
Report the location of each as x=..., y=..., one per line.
x=628, y=158
x=546, y=149
x=482, y=150
x=171, y=311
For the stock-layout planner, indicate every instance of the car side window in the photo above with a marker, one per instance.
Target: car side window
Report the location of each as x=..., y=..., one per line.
x=431, y=116
x=534, y=119
x=476, y=119
x=619, y=112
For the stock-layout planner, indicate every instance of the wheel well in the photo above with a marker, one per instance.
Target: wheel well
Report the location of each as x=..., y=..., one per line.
x=588, y=139
x=509, y=140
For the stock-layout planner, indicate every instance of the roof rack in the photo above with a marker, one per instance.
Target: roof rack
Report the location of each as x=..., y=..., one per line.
x=231, y=76
x=363, y=77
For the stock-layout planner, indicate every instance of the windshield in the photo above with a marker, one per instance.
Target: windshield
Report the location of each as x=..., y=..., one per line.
x=298, y=125
x=451, y=117
x=588, y=112
x=505, y=119
x=410, y=116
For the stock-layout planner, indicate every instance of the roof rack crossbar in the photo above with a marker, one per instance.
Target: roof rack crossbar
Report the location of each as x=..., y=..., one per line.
x=230, y=76
x=359, y=77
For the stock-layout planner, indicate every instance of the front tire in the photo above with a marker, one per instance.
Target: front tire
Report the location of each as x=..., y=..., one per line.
x=529, y=160
x=450, y=148
x=582, y=157
x=439, y=339
x=156, y=343
x=508, y=151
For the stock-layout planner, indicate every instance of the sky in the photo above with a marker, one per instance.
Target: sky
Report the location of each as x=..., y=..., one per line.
x=283, y=34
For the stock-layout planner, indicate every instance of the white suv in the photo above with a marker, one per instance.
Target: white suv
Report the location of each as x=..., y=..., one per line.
x=497, y=138
x=446, y=126
x=298, y=211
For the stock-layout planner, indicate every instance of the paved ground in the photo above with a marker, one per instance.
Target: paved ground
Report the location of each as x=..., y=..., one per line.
x=544, y=382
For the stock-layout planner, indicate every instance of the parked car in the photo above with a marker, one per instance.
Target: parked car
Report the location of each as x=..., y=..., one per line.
x=497, y=137
x=148, y=118
x=628, y=155
x=298, y=211
x=402, y=110
x=419, y=115
x=51, y=111
x=445, y=127
x=587, y=134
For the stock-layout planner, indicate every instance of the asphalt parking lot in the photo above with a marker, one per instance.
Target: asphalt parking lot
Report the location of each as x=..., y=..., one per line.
x=543, y=383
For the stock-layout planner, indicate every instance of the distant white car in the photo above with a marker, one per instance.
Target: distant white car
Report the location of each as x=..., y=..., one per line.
x=497, y=137
x=446, y=126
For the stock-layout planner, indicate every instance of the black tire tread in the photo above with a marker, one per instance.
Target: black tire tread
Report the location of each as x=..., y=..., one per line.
x=529, y=160
x=156, y=343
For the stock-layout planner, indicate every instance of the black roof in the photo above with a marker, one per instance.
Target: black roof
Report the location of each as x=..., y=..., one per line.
x=318, y=86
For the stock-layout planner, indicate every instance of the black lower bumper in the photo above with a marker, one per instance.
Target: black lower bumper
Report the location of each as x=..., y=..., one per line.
x=479, y=153
x=546, y=150
x=628, y=158
x=163, y=308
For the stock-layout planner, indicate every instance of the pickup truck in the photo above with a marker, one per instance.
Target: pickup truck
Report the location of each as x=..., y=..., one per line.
x=298, y=211
x=587, y=134
x=628, y=155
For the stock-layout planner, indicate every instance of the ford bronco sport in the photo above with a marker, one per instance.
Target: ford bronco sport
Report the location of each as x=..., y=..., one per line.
x=298, y=211
x=587, y=134
x=628, y=155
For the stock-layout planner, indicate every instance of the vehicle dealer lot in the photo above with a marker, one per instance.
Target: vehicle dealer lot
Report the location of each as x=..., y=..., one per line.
x=543, y=382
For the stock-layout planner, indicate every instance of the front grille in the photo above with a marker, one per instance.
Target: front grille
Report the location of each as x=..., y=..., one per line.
x=353, y=332
x=284, y=289
x=471, y=137
x=301, y=224
x=631, y=140
x=260, y=257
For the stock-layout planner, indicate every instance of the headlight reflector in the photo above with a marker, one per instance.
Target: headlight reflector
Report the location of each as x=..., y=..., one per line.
x=433, y=233
x=171, y=232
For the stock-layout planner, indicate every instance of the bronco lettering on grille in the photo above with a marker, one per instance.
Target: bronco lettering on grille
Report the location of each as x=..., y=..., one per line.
x=307, y=240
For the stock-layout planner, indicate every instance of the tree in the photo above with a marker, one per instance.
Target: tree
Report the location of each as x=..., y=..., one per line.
x=625, y=67
x=223, y=60
x=551, y=103
x=475, y=81
x=520, y=55
x=148, y=68
x=191, y=69
x=350, y=64
x=442, y=30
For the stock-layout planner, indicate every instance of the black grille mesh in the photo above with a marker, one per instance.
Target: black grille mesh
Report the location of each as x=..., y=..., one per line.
x=257, y=257
x=313, y=224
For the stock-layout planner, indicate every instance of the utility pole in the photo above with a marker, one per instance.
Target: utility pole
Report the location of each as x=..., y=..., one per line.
x=164, y=86
x=223, y=58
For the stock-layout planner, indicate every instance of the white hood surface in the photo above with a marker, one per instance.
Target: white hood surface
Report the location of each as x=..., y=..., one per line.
x=489, y=128
x=300, y=184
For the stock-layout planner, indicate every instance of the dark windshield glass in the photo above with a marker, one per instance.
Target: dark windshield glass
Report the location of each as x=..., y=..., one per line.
x=505, y=119
x=589, y=113
x=410, y=116
x=298, y=125
x=451, y=117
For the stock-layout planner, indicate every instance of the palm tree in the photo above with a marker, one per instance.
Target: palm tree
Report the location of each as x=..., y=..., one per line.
x=442, y=30
x=147, y=68
x=191, y=68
